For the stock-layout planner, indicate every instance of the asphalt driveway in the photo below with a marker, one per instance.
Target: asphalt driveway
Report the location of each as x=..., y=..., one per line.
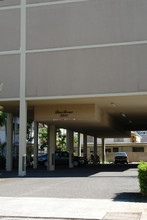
x=97, y=182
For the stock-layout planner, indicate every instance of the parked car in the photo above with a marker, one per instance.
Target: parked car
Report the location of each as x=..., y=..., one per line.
x=62, y=157
x=121, y=157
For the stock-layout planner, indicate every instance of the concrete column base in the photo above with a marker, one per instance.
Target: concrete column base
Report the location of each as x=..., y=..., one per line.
x=9, y=155
x=51, y=147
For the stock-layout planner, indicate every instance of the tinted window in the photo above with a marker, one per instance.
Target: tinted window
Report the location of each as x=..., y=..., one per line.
x=115, y=149
x=138, y=149
x=121, y=154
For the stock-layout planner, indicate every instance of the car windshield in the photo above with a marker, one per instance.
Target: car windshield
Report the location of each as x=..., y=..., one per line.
x=120, y=154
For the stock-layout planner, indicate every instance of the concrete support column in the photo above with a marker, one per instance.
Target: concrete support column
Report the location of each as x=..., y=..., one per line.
x=95, y=148
x=35, y=145
x=71, y=148
x=85, y=145
x=51, y=147
x=79, y=145
x=103, y=151
x=23, y=104
x=67, y=140
x=9, y=155
x=22, y=139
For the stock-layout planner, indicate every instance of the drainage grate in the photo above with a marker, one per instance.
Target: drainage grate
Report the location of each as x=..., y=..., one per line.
x=122, y=216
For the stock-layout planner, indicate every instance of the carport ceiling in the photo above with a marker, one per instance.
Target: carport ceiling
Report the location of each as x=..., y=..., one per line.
x=127, y=111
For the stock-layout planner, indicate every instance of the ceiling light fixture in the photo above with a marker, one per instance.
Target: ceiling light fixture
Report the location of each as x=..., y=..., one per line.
x=123, y=115
x=113, y=105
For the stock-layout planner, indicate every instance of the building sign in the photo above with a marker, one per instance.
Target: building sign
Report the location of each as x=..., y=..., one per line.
x=64, y=113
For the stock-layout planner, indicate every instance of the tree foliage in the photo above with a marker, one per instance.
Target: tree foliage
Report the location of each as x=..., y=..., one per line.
x=3, y=116
x=60, y=139
x=29, y=131
x=43, y=137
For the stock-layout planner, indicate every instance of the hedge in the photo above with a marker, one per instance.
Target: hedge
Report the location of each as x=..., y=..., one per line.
x=142, y=176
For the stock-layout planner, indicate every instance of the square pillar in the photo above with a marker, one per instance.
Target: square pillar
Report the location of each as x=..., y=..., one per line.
x=9, y=145
x=85, y=145
x=51, y=147
x=23, y=104
x=95, y=148
x=35, y=145
x=79, y=145
x=71, y=148
x=67, y=140
x=103, y=151
x=22, y=139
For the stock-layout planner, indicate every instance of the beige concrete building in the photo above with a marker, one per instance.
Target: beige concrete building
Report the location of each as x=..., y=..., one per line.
x=133, y=146
x=76, y=64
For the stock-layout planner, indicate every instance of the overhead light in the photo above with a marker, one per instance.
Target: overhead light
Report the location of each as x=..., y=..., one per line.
x=123, y=115
x=113, y=105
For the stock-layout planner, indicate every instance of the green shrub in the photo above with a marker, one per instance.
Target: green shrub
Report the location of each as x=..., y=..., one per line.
x=142, y=176
x=2, y=162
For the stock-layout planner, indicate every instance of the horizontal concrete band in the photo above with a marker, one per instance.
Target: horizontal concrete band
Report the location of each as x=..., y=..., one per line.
x=42, y=4
x=75, y=47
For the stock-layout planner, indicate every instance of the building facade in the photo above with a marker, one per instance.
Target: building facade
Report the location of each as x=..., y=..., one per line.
x=76, y=64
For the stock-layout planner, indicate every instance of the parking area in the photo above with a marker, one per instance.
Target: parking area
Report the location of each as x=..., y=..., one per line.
x=91, y=182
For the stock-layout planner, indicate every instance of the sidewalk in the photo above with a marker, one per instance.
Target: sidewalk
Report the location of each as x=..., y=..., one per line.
x=44, y=208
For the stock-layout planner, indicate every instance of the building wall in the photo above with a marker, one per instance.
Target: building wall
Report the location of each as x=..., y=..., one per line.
x=128, y=148
x=85, y=48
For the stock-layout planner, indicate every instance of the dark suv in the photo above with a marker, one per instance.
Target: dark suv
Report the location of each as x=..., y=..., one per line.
x=62, y=157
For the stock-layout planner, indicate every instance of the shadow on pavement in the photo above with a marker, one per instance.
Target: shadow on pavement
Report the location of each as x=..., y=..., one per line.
x=130, y=197
x=64, y=171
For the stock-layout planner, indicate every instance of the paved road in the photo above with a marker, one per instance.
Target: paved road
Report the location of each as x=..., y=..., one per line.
x=98, y=192
x=101, y=182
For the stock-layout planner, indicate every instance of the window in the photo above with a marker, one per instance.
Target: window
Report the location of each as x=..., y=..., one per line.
x=115, y=149
x=118, y=140
x=90, y=139
x=138, y=149
x=108, y=150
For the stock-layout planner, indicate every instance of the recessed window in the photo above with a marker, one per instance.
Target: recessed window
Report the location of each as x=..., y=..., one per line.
x=118, y=140
x=138, y=149
x=108, y=150
x=115, y=149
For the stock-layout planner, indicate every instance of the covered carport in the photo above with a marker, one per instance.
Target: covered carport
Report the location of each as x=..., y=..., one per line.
x=75, y=64
x=103, y=117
